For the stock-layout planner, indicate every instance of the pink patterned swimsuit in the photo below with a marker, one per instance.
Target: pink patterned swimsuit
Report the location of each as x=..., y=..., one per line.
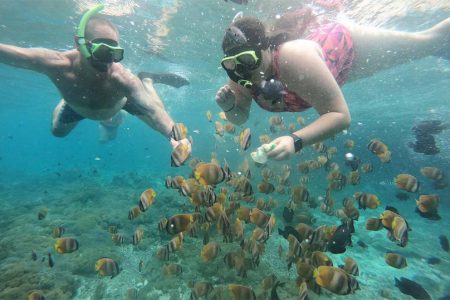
x=337, y=48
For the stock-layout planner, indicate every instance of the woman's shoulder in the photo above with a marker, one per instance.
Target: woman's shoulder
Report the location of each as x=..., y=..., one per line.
x=300, y=47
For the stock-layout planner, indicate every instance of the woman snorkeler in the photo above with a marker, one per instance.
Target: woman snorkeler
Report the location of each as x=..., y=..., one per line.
x=301, y=64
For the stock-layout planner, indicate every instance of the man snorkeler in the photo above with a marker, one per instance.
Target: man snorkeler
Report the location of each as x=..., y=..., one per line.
x=92, y=82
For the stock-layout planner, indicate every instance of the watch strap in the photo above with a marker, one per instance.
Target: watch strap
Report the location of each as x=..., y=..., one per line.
x=298, y=142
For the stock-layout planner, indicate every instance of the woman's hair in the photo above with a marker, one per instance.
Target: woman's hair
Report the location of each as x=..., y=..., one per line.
x=291, y=26
x=98, y=20
x=254, y=31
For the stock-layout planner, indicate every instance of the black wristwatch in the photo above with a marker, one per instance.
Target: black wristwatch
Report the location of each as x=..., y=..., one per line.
x=298, y=142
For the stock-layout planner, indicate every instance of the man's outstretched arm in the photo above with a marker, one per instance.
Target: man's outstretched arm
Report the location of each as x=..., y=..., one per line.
x=36, y=59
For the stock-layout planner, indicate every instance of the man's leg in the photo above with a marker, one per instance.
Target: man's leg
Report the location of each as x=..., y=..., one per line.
x=64, y=119
x=108, y=128
x=378, y=49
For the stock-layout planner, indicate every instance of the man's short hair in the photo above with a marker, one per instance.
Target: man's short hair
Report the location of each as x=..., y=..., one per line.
x=98, y=20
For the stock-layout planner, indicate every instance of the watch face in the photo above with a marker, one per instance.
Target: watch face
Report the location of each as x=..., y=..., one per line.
x=298, y=142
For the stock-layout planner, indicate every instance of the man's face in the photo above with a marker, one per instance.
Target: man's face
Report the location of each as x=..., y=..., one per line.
x=103, y=43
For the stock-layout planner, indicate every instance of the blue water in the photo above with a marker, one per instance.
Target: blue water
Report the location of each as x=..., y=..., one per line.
x=87, y=185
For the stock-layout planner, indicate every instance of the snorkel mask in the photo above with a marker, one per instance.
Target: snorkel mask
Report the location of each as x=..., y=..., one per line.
x=240, y=57
x=98, y=51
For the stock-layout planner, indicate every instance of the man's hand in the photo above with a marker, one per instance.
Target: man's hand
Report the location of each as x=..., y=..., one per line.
x=226, y=98
x=284, y=148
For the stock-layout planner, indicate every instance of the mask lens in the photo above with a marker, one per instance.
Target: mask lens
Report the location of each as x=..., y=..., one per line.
x=229, y=64
x=247, y=59
x=107, y=54
x=102, y=53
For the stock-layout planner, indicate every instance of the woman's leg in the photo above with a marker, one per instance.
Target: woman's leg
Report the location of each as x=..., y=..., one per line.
x=378, y=49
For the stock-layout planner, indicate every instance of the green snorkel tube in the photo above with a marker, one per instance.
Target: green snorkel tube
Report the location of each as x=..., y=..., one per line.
x=82, y=28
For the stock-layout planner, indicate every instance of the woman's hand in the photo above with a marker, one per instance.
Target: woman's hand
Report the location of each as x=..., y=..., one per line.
x=284, y=148
x=226, y=98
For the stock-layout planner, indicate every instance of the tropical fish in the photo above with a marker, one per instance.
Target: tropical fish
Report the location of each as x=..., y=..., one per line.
x=407, y=182
x=134, y=213
x=66, y=245
x=146, y=199
x=42, y=213
x=200, y=289
x=264, y=139
x=219, y=128
x=299, y=194
x=395, y=260
x=367, y=168
x=210, y=251
x=288, y=214
x=237, y=230
x=57, y=231
x=33, y=256
x=210, y=174
x=367, y=200
x=412, y=288
x=266, y=187
x=245, y=139
x=320, y=147
x=141, y=266
x=374, y=224
x=208, y=115
x=179, y=155
x=258, y=217
x=350, y=266
x=138, y=236
x=107, y=267
x=36, y=296
x=244, y=186
x=349, y=144
x=243, y=213
x=162, y=224
x=399, y=231
x=51, y=263
x=172, y=269
x=433, y=260
x=117, y=239
x=335, y=280
x=179, y=223
x=179, y=131
x=241, y=292
x=444, y=243
x=432, y=173
x=319, y=258
x=341, y=238
x=303, y=291
x=113, y=229
x=427, y=206
x=229, y=127
x=163, y=252
x=222, y=116
x=380, y=149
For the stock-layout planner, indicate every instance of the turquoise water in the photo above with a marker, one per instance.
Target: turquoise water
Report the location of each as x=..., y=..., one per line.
x=87, y=186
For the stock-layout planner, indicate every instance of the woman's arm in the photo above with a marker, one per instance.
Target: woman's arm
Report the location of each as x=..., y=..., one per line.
x=235, y=102
x=304, y=71
x=36, y=59
x=309, y=77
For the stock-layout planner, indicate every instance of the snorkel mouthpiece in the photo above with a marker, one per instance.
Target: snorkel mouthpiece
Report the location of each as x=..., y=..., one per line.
x=82, y=30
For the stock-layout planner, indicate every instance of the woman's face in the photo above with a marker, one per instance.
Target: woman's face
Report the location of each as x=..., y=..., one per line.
x=265, y=68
